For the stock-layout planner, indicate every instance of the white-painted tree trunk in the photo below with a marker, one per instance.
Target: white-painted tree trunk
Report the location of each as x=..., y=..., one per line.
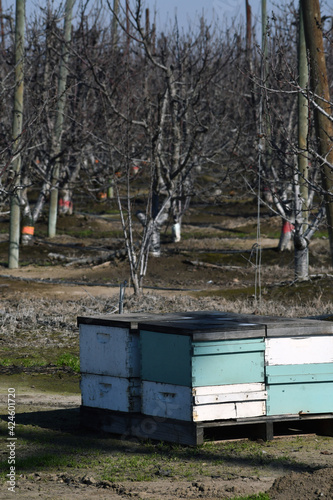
x=286, y=237
x=176, y=231
x=14, y=226
x=302, y=263
x=62, y=82
x=301, y=244
x=65, y=201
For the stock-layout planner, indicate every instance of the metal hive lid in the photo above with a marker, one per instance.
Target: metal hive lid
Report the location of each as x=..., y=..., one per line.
x=213, y=325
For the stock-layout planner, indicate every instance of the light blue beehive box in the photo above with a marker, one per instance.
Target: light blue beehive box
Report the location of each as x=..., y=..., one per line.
x=217, y=366
x=203, y=367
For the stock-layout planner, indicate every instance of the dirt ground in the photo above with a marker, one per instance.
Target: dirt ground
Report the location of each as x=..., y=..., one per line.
x=39, y=305
x=298, y=467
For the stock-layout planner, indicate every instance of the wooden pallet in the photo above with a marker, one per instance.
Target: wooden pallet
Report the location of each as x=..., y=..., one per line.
x=138, y=426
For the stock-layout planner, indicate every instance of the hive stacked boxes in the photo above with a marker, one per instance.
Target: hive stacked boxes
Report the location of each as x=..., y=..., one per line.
x=299, y=368
x=201, y=369
x=153, y=374
x=110, y=363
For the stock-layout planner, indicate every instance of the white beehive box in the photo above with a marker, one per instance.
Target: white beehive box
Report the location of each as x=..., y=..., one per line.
x=109, y=345
x=107, y=350
x=110, y=393
x=203, y=403
x=110, y=362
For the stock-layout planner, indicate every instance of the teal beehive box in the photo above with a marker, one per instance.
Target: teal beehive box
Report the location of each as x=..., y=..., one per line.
x=298, y=366
x=203, y=367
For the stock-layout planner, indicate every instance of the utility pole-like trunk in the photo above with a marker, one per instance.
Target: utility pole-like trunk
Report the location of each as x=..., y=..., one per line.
x=301, y=245
x=248, y=29
x=114, y=27
x=14, y=229
x=56, y=150
x=264, y=76
x=319, y=86
x=249, y=59
x=2, y=30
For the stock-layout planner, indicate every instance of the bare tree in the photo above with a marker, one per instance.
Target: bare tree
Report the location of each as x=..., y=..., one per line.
x=43, y=51
x=301, y=242
x=292, y=183
x=159, y=105
x=14, y=231
x=56, y=149
x=322, y=111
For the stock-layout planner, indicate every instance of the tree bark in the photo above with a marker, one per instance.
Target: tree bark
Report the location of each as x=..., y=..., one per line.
x=14, y=228
x=320, y=87
x=301, y=245
x=158, y=218
x=285, y=242
x=63, y=71
x=114, y=27
x=176, y=231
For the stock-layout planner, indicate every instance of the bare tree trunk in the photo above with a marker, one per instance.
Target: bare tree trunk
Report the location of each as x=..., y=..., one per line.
x=114, y=27
x=249, y=59
x=14, y=229
x=264, y=144
x=27, y=231
x=286, y=237
x=248, y=29
x=65, y=200
x=40, y=201
x=320, y=87
x=158, y=218
x=301, y=245
x=176, y=230
x=63, y=71
x=66, y=191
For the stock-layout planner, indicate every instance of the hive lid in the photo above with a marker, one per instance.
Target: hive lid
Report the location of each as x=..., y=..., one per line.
x=293, y=327
x=131, y=320
x=216, y=325
x=207, y=325
x=117, y=320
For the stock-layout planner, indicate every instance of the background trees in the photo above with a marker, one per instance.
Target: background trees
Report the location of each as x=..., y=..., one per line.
x=162, y=118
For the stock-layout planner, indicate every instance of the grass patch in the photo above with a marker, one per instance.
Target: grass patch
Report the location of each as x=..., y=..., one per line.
x=224, y=259
x=319, y=289
x=25, y=362
x=53, y=383
x=259, y=496
x=201, y=235
x=6, y=362
x=42, y=461
x=228, y=294
x=70, y=361
x=91, y=233
x=44, y=449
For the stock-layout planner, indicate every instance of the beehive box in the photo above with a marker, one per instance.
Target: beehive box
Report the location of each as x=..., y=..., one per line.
x=203, y=367
x=299, y=368
x=110, y=362
x=111, y=393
